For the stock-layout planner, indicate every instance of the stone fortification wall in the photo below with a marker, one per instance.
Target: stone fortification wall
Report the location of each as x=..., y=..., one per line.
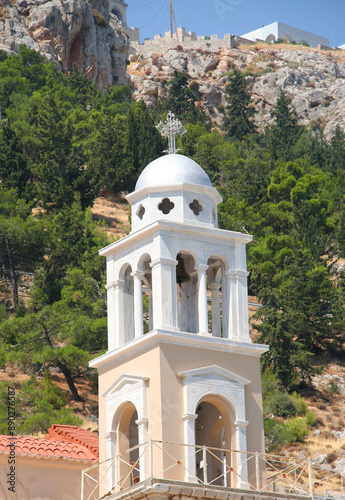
x=188, y=40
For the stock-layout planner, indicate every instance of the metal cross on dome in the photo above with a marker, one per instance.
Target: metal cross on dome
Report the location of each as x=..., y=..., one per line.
x=170, y=129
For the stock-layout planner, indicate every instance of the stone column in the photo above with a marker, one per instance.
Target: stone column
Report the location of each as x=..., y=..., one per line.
x=142, y=424
x=164, y=294
x=110, y=438
x=216, y=323
x=241, y=458
x=232, y=306
x=242, y=300
x=115, y=301
x=189, y=439
x=138, y=304
x=202, y=299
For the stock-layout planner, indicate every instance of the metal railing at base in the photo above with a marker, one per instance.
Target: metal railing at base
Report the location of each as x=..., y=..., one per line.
x=212, y=467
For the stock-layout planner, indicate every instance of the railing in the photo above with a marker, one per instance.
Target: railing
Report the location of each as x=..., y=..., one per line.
x=213, y=467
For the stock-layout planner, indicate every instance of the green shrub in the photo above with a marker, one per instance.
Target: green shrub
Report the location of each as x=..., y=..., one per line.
x=99, y=19
x=310, y=418
x=270, y=384
x=333, y=387
x=275, y=434
x=300, y=404
x=194, y=85
x=297, y=429
x=282, y=405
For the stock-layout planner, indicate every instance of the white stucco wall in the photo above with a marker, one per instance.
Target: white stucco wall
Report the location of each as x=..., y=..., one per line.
x=281, y=30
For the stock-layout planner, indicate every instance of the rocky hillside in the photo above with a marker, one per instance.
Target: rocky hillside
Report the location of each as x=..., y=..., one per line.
x=315, y=80
x=68, y=32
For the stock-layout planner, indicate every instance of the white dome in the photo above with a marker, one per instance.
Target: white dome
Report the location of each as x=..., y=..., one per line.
x=172, y=169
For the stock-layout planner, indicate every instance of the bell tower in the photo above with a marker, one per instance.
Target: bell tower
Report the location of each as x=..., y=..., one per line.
x=180, y=385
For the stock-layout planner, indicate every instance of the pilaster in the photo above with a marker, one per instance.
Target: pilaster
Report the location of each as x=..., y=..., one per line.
x=189, y=439
x=164, y=294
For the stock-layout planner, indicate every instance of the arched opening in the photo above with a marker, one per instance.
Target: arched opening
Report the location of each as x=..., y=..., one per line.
x=116, y=13
x=145, y=268
x=304, y=43
x=127, y=438
x=186, y=287
x=217, y=296
x=270, y=38
x=286, y=38
x=214, y=429
x=127, y=304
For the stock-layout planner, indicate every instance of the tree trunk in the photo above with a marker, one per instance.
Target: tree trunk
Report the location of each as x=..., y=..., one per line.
x=12, y=273
x=65, y=371
x=68, y=377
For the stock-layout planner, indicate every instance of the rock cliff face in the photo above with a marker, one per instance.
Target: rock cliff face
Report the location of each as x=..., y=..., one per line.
x=68, y=32
x=315, y=80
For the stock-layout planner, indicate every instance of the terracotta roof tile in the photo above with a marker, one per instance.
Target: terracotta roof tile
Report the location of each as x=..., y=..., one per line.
x=73, y=434
x=62, y=442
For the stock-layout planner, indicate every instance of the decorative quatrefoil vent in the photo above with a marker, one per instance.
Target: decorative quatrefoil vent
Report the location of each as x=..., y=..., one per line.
x=166, y=206
x=195, y=207
x=141, y=212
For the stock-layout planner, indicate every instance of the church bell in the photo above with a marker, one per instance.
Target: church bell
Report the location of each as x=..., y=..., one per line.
x=181, y=274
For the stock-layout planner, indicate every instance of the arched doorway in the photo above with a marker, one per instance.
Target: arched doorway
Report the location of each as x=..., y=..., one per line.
x=214, y=430
x=127, y=439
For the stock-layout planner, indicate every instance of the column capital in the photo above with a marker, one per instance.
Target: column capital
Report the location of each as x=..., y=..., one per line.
x=214, y=286
x=191, y=417
x=240, y=424
x=141, y=422
x=109, y=434
x=114, y=284
x=236, y=273
x=162, y=261
x=137, y=274
x=242, y=274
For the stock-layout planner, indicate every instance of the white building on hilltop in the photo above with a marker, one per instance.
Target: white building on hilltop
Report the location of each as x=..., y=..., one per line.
x=275, y=31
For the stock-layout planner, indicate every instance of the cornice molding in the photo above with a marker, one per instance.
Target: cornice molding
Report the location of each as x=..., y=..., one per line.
x=205, y=232
x=183, y=339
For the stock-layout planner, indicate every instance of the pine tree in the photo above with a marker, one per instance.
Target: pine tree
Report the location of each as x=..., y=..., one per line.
x=238, y=121
x=22, y=240
x=181, y=100
x=282, y=136
x=14, y=168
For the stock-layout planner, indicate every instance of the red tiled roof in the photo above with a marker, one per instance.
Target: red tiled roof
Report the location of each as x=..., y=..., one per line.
x=72, y=434
x=82, y=446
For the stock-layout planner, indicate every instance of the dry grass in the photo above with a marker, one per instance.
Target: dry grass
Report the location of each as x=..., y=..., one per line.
x=114, y=211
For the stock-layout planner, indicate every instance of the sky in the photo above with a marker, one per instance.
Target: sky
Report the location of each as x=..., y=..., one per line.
x=216, y=17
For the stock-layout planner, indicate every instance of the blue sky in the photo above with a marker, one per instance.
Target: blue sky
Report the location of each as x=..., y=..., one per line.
x=208, y=17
